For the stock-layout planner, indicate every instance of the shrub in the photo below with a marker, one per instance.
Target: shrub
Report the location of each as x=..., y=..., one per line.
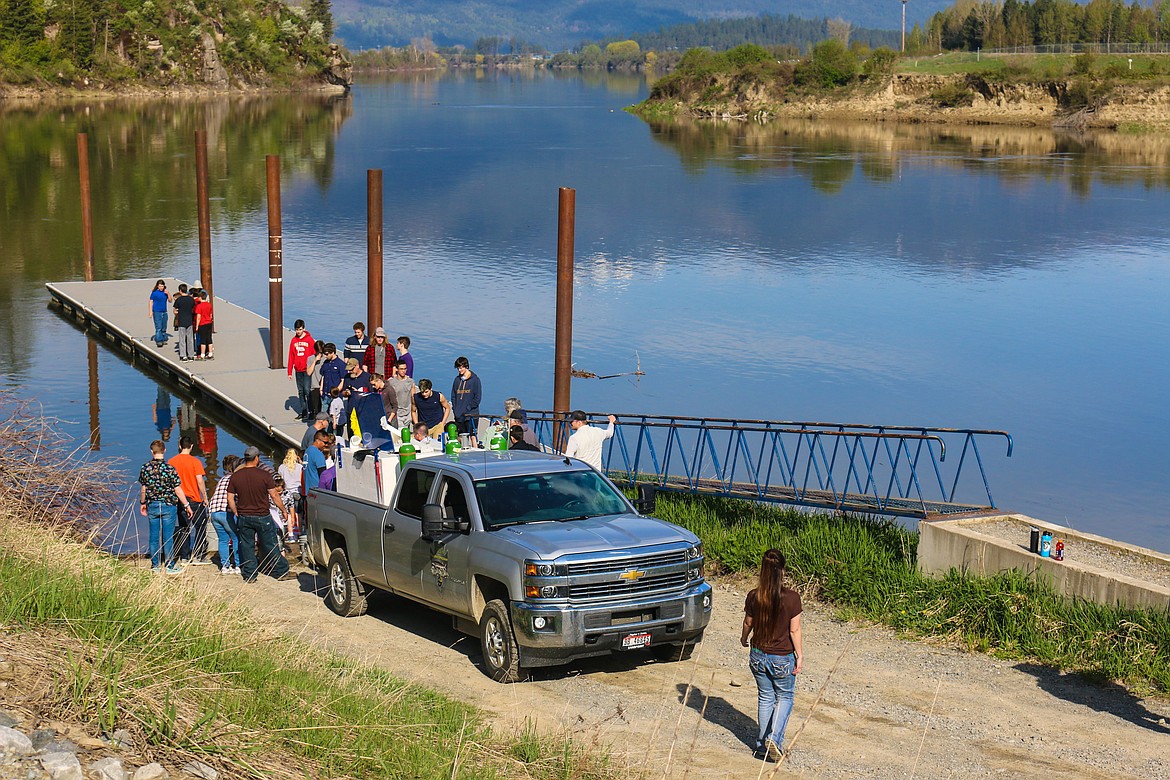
x=830, y=65
x=952, y=96
x=881, y=62
x=747, y=54
x=1083, y=63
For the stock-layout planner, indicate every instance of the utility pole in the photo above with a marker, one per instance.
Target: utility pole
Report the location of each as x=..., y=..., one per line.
x=903, y=26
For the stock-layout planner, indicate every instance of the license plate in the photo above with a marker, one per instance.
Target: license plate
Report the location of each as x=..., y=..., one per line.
x=634, y=641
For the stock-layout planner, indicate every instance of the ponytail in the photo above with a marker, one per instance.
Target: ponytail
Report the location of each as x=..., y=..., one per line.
x=768, y=590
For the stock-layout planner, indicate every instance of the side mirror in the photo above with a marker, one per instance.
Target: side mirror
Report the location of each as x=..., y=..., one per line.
x=647, y=498
x=432, y=521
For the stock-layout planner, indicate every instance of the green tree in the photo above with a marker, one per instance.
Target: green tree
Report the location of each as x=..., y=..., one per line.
x=623, y=54
x=831, y=64
x=881, y=62
x=591, y=57
x=76, y=38
x=20, y=23
x=322, y=11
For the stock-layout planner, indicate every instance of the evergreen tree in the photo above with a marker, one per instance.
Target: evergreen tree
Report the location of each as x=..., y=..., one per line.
x=322, y=11
x=77, y=38
x=19, y=23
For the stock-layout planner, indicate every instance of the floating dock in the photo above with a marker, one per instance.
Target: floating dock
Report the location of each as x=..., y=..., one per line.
x=238, y=378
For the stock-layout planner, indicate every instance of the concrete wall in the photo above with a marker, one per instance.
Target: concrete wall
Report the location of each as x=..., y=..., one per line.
x=957, y=544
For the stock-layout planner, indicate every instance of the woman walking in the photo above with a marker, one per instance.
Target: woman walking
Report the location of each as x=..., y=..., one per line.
x=772, y=620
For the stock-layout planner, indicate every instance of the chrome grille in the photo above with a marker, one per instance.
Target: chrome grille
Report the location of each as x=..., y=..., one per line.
x=600, y=590
x=623, y=564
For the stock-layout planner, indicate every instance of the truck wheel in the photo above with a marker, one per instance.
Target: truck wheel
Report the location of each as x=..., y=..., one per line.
x=675, y=652
x=346, y=595
x=501, y=655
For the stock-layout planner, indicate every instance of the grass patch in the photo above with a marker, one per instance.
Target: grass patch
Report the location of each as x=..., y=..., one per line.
x=190, y=677
x=868, y=569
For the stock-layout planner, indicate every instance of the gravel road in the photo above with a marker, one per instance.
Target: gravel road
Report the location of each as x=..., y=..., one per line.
x=868, y=703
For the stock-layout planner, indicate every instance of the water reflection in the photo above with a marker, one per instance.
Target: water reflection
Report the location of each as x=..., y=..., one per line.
x=142, y=174
x=831, y=153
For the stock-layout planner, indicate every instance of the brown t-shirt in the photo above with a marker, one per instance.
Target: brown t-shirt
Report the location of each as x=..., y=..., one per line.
x=780, y=643
x=250, y=486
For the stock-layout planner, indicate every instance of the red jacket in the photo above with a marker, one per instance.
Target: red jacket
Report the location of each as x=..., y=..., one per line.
x=299, y=352
x=386, y=370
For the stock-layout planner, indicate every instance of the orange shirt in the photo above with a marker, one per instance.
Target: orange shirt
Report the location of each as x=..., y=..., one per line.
x=190, y=469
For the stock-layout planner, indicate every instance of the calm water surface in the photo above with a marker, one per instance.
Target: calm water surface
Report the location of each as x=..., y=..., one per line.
x=964, y=277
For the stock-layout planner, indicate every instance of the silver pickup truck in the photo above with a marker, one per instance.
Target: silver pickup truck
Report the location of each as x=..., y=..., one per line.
x=540, y=556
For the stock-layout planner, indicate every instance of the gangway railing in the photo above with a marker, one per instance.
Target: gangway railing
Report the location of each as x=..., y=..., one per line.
x=874, y=469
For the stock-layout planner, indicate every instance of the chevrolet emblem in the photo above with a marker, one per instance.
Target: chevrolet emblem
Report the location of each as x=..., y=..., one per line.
x=632, y=575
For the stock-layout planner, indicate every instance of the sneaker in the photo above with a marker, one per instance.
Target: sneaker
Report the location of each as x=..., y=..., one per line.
x=772, y=752
x=174, y=570
x=226, y=570
x=288, y=575
x=200, y=562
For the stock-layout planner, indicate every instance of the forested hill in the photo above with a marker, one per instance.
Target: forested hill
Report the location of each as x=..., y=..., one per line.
x=563, y=24
x=221, y=43
x=764, y=30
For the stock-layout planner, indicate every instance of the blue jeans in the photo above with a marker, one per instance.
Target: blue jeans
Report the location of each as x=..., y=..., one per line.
x=304, y=385
x=160, y=327
x=162, y=518
x=776, y=685
x=249, y=529
x=224, y=524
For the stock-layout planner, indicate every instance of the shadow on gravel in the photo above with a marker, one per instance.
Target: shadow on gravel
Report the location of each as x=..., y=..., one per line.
x=721, y=712
x=431, y=625
x=1106, y=697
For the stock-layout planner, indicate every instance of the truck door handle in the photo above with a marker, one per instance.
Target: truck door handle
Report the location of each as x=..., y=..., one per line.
x=388, y=528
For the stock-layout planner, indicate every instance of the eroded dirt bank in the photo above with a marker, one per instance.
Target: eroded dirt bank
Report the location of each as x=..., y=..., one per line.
x=914, y=98
x=868, y=704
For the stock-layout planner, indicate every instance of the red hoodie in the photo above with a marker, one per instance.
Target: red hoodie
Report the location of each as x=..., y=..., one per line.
x=300, y=349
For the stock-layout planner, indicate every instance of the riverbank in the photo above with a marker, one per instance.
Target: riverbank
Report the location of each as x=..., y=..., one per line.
x=26, y=94
x=931, y=98
x=104, y=661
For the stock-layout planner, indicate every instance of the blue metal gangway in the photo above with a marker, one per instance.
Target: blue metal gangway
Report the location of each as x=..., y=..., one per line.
x=895, y=470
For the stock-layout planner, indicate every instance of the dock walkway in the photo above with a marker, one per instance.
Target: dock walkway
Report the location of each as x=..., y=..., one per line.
x=239, y=378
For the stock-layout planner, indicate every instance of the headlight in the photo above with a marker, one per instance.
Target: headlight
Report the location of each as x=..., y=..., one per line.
x=696, y=551
x=539, y=622
x=538, y=569
x=696, y=573
x=540, y=591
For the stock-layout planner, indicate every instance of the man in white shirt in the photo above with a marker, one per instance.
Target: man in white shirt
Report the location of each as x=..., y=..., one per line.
x=586, y=441
x=422, y=441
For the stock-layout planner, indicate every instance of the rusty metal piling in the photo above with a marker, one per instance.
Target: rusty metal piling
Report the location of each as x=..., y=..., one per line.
x=204, y=212
x=275, y=267
x=86, y=213
x=563, y=360
x=374, y=249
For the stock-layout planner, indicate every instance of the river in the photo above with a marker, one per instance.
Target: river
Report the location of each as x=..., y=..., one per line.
x=983, y=277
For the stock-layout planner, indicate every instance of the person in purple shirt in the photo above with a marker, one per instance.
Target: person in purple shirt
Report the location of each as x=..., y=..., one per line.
x=332, y=370
x=404, y=354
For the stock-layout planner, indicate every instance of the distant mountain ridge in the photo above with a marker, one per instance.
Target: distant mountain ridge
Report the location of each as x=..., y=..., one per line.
x=562, y=24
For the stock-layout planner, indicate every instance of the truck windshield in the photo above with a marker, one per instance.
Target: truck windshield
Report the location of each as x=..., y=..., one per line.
x=535, y=498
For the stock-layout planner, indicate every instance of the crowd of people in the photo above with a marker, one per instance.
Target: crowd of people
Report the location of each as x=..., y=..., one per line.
x=256, y=511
